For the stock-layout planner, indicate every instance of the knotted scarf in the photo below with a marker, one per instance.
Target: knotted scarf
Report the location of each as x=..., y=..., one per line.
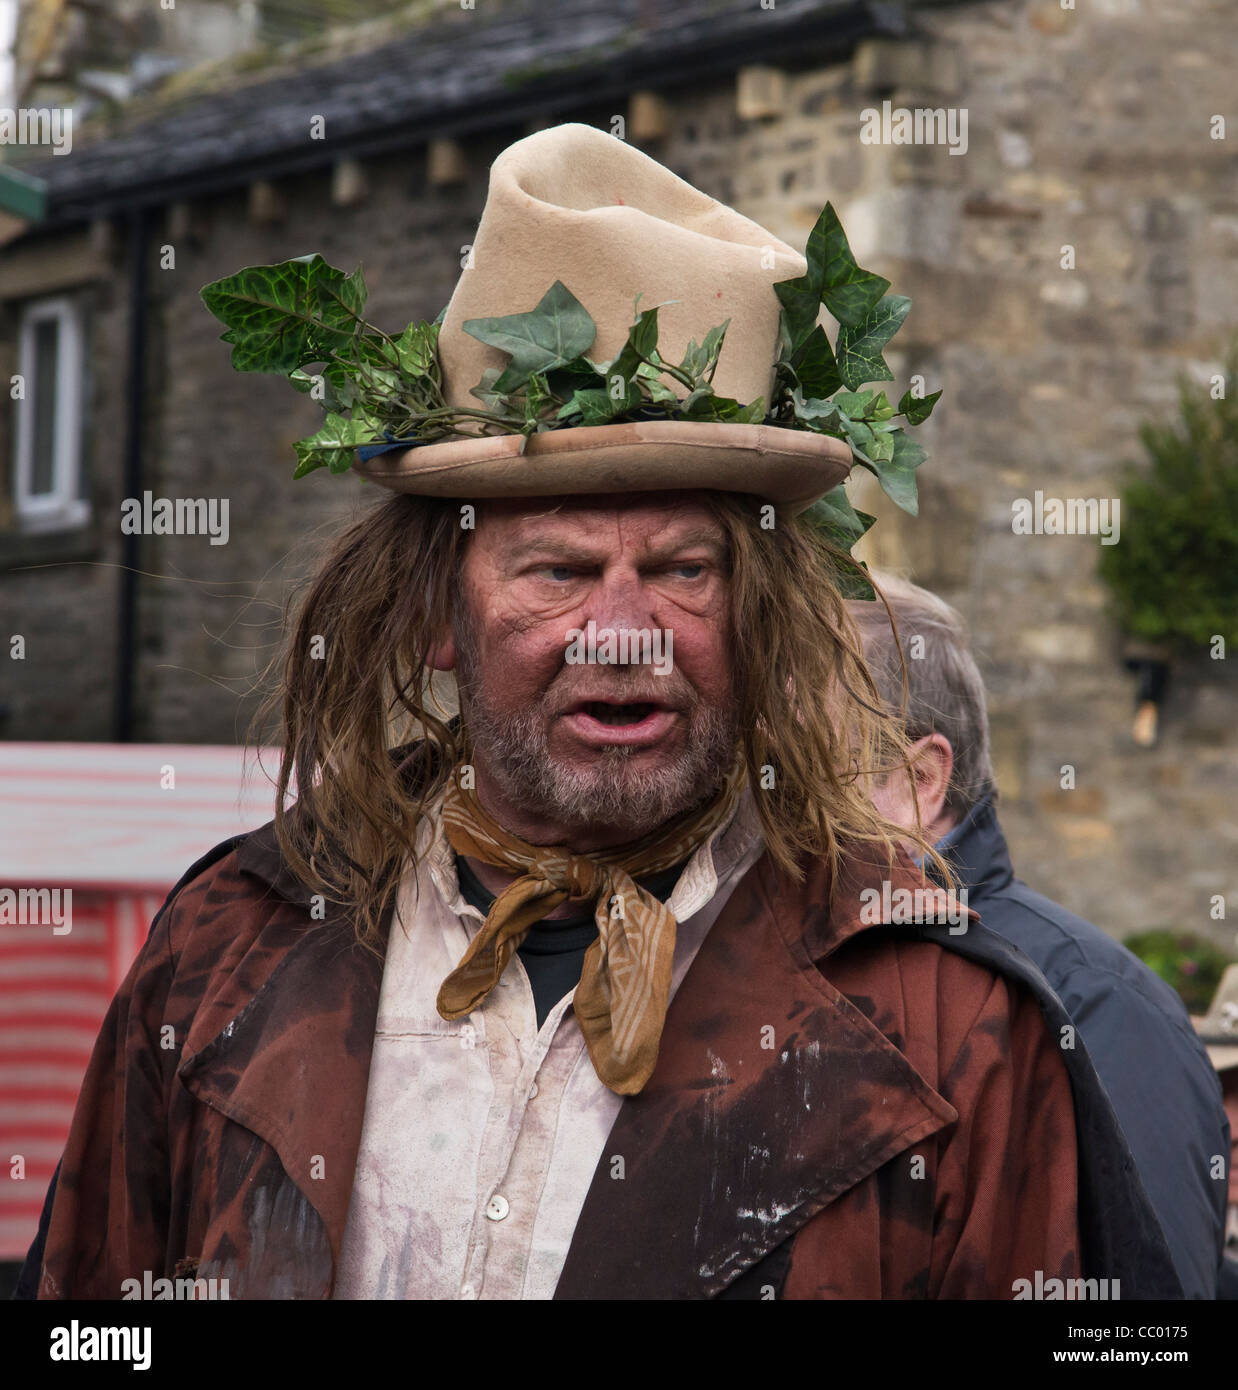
x=621, y=1000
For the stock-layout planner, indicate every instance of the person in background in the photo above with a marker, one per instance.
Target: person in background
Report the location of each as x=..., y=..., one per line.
x=1135, y=1027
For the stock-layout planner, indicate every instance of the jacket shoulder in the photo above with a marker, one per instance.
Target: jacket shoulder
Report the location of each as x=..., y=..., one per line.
x=928, y=995
x=223, y=898
x=1064, y=944
x=201, y=866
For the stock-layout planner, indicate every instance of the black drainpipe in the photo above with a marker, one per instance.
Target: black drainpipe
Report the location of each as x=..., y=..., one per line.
x=138, y=223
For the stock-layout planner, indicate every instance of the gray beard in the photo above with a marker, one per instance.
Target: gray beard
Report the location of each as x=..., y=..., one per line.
x=512, y=748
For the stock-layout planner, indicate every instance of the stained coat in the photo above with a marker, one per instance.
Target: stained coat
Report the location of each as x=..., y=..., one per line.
x=839, y=1110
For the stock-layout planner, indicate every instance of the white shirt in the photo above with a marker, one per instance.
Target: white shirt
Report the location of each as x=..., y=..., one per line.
x=481, y=1136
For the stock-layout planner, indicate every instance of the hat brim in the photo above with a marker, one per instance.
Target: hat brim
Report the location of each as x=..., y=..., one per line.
x=1222, y=1054
x=791, y=468
x=1222, y=1058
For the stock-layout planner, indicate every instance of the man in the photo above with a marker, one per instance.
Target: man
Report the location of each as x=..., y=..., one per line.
x=1135, y=1027
x=581, y=994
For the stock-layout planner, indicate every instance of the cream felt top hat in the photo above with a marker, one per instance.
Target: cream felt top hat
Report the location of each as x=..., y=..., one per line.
x=615, y=330
x=576, y=205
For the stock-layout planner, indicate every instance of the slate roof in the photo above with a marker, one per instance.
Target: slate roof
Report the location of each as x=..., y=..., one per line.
x=465, y=71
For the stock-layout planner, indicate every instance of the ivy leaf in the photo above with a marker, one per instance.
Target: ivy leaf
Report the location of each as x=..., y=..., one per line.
x=279, y=317
x=537, y=396
x=641, y=345
x=859, y=436
x=784, y=340
x=855, y=403
x=849, y=292
x=599, y=405
x=548, y=336
x=331, y=387
x=416, y=348
x=852, y=583
x=591, y=404
x=832, y=278
x=907, y=450
x=578, y=374
x=711, y=349
x=835, y=517
x=881, y=448
x=814, y=365
x=897, y=476
x=333, y=445
x=859, y=347
x=624, y=393
x=485, y=392
x=661, y=393
x=834, y=514
x=917, y=409
x=823, y=416
x=707, y=406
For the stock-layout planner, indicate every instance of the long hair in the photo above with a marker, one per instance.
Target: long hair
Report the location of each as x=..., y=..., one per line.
x=815, y=727
x=355, y=687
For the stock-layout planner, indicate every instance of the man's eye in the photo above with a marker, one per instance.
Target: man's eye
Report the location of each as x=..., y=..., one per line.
x=688, y=571
x=559, y=573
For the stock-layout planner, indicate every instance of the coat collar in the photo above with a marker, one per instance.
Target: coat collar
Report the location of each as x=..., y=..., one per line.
x=977, y=850
x=772, y=1095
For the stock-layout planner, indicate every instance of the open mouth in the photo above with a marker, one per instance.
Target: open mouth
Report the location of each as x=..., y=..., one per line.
x=615, y=714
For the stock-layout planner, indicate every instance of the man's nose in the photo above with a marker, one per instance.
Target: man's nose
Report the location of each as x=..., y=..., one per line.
x=620, y=600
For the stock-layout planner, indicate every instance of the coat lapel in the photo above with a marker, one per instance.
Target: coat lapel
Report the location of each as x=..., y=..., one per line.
x=772, y=1095
x=282, y=1046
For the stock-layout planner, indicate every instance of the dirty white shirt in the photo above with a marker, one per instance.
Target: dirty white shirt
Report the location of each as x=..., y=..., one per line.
x=481, y=1136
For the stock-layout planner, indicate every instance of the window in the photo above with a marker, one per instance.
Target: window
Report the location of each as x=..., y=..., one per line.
x=48, y=435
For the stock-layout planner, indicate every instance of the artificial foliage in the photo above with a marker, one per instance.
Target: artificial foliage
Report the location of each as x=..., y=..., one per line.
x=304, y=320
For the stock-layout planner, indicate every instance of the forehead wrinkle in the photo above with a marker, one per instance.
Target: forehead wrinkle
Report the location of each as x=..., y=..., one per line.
x=586, y=536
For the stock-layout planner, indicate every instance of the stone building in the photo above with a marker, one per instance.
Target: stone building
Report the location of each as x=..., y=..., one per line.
x=1064, y=268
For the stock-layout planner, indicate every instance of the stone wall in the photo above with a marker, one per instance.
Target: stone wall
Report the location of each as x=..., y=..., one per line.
x=1087, y=128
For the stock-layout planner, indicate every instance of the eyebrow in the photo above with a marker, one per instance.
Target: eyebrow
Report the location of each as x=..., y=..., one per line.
x=699, y=537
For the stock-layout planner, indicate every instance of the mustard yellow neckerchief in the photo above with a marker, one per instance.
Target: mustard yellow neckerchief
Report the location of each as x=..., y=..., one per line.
x=624, y=988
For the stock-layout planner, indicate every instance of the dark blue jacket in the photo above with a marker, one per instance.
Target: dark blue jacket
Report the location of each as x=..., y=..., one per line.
x=1140, y=1039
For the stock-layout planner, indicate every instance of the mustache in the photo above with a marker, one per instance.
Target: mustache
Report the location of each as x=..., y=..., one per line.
x=620, y=684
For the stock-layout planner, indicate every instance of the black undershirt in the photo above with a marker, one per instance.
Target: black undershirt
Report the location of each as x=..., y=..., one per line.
x=554, y=950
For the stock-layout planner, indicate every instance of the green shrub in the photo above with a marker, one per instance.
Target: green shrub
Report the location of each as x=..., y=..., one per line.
x=1174, y=571
x=1190, y=963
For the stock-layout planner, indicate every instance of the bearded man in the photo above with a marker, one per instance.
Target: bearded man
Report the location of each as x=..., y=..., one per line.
x=580, y=992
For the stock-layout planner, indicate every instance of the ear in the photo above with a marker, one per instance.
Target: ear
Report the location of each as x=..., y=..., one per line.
x=442, y=655
x=933, y=761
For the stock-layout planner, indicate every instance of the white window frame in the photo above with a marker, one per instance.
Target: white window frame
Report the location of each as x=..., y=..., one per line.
x=62, y=507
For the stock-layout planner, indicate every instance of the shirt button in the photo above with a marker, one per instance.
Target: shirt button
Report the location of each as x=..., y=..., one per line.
x=497, y=1208
x=533, y=1090
x=467, y=1291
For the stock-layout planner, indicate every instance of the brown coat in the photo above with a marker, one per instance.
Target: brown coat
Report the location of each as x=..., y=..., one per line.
x=838, y=1111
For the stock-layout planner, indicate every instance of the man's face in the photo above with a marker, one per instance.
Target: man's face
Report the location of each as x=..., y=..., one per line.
x=605, y=743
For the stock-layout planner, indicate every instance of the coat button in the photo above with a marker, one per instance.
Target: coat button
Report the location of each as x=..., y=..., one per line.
x=497, y=1208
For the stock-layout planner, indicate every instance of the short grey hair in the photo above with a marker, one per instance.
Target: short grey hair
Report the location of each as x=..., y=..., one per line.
x=945, y=692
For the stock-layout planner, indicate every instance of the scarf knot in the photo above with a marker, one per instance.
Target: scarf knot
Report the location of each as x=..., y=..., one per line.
x=573, y=875
x=624, y=990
